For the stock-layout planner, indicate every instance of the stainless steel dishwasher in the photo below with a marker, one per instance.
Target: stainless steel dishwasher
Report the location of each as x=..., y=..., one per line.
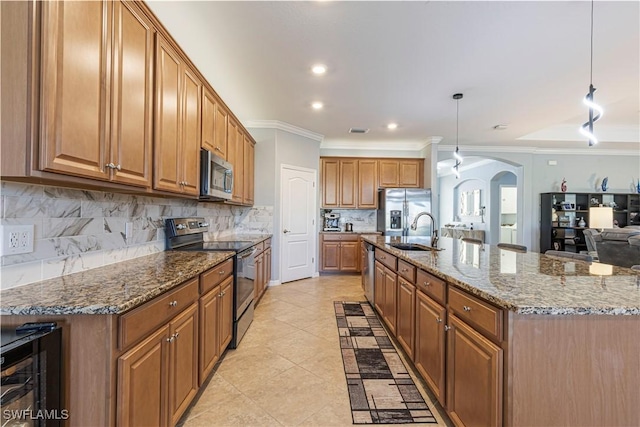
x=368, y=274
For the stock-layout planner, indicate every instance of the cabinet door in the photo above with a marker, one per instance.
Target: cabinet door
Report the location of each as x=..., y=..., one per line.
x=226, y=314
x=257, y=282
x=368, y=184
x=388, y=173
x=75, y=87
x=349, y=256
x=348, y=183
x=167, y=139
x=232, y=134
x=248, y=171
x=132, y=95
x=409, y=173
x=378, y=288
x=429, y=355
x=220, y=135
x=183, y=362
x=330, y=256
x=330, y=169
x=209, y=332
x=208, y=120
x=238, y=168
x=474, y=377
x=390, y=298
x=191, y=131
x=406, y=315
x=267, y=263
x=142, y=382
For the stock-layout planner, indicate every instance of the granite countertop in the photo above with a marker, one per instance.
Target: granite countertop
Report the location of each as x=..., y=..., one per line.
x=526, y=283
x=112, y=289
x=254, y=238
x=351, y=232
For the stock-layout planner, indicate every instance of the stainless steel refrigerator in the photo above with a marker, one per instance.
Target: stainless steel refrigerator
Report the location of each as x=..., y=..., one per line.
x=398, y=207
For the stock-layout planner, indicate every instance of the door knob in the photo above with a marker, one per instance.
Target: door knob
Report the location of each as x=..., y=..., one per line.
x=285, y=231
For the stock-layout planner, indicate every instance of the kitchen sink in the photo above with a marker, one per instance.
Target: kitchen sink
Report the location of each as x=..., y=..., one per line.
x=413, y=247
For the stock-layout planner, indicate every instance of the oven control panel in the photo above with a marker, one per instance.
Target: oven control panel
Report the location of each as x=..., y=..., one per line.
x=182, y=226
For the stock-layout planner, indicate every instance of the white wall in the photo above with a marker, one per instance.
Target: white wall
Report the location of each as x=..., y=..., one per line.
x=275, y=147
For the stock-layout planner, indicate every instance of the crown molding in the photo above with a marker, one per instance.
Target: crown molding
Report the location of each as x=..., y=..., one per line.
x=380, y=145
x=277, y=124
x=536, y=150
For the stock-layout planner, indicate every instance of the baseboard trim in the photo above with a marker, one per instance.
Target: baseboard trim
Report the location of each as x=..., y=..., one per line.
x=274, y=283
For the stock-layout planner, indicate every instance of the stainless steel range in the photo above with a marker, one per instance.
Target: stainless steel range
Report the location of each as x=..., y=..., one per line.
x=187, y=234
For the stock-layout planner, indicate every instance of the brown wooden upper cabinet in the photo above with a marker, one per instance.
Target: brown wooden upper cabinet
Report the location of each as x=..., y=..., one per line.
x=96, y=118
x=177, y=124
x=215, y=125
x=339, y=183
x=238, y=167
x=401, y=173
x=248, y=172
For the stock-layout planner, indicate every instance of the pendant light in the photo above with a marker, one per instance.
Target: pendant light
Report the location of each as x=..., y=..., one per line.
x=587, y=128
x=456, y=154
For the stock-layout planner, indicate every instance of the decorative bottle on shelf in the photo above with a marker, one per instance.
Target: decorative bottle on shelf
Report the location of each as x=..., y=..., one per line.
x=563, y=186
x=581, y=223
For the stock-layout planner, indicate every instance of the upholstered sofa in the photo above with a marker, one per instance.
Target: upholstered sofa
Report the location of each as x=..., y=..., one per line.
x=615, y=246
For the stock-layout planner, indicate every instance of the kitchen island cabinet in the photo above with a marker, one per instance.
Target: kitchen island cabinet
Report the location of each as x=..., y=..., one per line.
x=491, y=341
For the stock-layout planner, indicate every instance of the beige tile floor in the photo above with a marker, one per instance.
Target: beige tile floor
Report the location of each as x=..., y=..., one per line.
x=288, y=368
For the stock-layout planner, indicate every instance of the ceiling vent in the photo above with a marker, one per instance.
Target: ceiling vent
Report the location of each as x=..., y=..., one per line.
x=358, y=130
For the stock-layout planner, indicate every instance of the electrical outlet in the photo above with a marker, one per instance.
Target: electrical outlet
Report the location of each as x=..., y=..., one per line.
x=17, y=239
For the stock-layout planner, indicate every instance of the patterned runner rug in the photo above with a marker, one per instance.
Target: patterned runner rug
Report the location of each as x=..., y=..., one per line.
x=381, y=390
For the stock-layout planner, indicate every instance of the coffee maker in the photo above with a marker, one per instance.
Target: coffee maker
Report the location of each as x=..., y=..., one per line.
x=331, y=222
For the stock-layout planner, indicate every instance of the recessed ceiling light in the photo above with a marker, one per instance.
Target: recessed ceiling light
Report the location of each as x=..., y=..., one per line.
x=317, y=105
x=392, y=126
x=319, y=69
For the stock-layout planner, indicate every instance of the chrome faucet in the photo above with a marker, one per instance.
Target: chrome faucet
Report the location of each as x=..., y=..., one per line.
x=434, y=228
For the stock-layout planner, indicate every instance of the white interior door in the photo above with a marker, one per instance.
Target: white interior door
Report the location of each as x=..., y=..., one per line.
x=298, y=223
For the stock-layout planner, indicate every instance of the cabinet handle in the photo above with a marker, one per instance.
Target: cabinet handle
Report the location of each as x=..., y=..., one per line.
x=217, y=149
x=171, y=338
x=383, y=257
x=175, y=336
x=466, y=308
x=438, y=320
x=173, y=303
x=446, y=328
x=110, y=166
x=185, y=183
x=118, y=167
x=221, y=272
x=427, y=283
x=404, y=270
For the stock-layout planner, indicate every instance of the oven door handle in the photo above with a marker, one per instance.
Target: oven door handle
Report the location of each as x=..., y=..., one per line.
x=247, y=253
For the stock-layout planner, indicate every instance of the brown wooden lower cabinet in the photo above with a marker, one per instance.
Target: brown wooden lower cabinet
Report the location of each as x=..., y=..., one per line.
x=474, y=377
x=142, y=382
x=429, y=353
x=385, y=294
x=340, y=253
x=216, y=325
x=405, y=324
x=262, y=262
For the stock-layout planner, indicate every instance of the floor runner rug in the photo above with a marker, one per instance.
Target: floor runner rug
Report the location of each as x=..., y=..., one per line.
x=381, y=390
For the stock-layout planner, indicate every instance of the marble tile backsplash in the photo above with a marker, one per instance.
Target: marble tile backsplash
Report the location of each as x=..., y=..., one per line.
x=77, y=230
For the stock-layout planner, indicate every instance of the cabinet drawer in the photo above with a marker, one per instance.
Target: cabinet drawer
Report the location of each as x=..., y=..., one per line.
x=431, y=285
x=259, y=247
x=340, y=237
x=267, y=244
x=387, y=259
x=144, y=319
x=476, y=312
x=407, y=271
x=210, y=278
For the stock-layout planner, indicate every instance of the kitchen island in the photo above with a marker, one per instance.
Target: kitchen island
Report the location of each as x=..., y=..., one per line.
x=516, y=339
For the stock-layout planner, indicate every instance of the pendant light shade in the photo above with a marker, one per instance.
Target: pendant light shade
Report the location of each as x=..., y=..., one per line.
x=595, y=111
x=456, y=154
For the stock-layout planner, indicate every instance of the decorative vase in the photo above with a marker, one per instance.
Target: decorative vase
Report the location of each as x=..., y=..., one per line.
x=604, y=185
x=563, y=186
x=581, y=223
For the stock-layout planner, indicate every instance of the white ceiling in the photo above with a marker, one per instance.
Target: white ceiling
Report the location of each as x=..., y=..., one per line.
x=525, y=64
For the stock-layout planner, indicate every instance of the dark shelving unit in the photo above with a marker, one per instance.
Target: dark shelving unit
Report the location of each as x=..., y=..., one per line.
x=560, y=214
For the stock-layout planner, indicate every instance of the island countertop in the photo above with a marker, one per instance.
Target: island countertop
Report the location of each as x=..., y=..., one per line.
x=111, y=289
x=526, y=283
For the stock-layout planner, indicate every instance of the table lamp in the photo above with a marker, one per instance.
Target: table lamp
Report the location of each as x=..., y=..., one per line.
x=600, y=217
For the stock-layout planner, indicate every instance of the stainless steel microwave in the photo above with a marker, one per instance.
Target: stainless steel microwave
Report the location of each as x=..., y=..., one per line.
x=216, y=177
